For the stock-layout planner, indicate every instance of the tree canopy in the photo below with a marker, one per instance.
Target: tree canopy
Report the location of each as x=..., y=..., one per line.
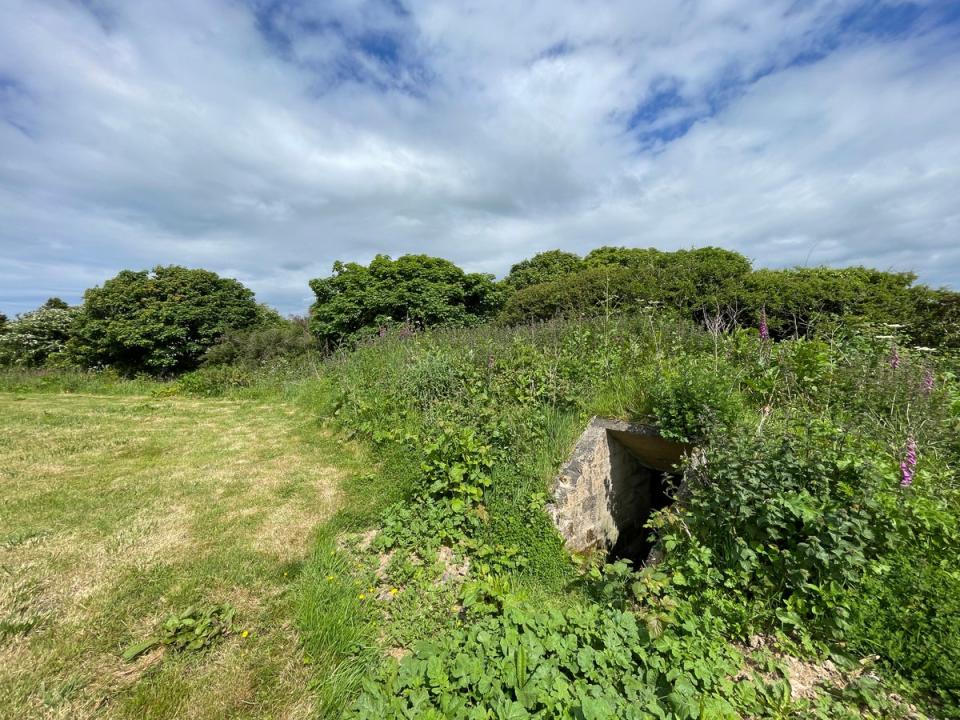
x=37, y=337
x=160, y=321
x=426, y=291
x=542, y=267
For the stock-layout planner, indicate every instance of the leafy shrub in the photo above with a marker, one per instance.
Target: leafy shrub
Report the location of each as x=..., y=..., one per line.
x=279, y=341
x=214, y=381
x=419, y=290
x=691, y=396
x=694, y=281
x=793, y=520
x=588, y=293
x=541, y=268
x=160, y=321
x=36, y=338
x=797, y=300
x=909, y=614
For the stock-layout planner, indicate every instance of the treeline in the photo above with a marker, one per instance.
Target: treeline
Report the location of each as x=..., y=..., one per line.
x=171, y=319
x=709, y=285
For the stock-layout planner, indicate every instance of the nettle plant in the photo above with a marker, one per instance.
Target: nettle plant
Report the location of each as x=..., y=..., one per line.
x=792, y=521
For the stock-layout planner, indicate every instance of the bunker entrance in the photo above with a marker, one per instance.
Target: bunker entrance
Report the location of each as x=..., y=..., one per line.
x=618, y=475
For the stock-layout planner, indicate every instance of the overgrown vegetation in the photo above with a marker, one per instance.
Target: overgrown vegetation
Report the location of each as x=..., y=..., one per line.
x=816, y=534
x=801, y=507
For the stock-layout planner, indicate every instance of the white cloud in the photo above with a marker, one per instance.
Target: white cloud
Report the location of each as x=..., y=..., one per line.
x=265, y=140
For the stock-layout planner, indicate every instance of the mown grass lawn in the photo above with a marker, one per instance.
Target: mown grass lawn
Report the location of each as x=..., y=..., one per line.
x=117, y=511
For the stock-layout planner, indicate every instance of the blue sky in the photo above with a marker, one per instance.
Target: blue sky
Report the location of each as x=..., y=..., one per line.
x=265, y=139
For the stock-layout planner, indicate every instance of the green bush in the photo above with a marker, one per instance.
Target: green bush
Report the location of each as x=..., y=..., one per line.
x=797, y=300
x=588, y=293
x=37, y=338
x=909, y=614
x=214, y=381
x=793, y=515
x=691, y=396
x=281, y=341
x=160, y=321
x=541, y=268
x=414, y=290
x=794, y=521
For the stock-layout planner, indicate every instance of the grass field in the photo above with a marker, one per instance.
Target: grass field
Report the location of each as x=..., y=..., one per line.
x=116, y=511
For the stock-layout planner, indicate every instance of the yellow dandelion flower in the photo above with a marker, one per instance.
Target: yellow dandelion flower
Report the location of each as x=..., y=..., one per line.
x=362, y=596
x=245, y=633
x=329, y=578
x=393, y=591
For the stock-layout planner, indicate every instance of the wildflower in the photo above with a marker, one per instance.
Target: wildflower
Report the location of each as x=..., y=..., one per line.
x=362, y=596
x=894, y=358
x=908, y=464
x=245, y=633
x=928, y=380
x=329, y=578
x=764, y=331
x=906, y=475
x=393, y=591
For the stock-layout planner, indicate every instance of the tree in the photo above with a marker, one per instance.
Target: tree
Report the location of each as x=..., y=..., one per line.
x=796, y=299
x=160, y=321
x=541, y=268
x=37, y=337
x=357, y=300
x=55, y=303
x=3, y=321
x=693, y=281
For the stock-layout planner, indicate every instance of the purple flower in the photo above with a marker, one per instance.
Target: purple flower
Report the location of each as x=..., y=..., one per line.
x=928, y=381
x=894, y=357
x=764, y=331
x=908, y=464
x=906, y=475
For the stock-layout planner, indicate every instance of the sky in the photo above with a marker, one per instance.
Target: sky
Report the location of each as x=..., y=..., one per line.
x=265, y=139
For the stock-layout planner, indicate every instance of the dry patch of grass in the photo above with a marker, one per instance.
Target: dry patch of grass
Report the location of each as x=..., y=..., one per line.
x=118, y=511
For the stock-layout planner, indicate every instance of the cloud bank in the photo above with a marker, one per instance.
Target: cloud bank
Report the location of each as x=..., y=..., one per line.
x=265, y=139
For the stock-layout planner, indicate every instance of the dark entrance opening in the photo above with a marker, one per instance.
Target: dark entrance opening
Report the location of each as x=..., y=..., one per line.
x=617, y=475
x=641, y=476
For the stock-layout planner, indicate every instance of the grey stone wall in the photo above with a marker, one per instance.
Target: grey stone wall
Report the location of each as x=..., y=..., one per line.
x=606, y=486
